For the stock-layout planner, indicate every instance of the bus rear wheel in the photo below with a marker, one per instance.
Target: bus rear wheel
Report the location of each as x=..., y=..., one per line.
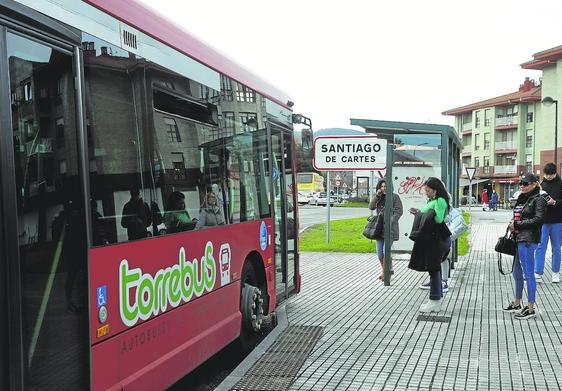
x=252, y=309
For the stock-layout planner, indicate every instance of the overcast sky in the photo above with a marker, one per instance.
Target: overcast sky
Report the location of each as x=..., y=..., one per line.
x=388, y=60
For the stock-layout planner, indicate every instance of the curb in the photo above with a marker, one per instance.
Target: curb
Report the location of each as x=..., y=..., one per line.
x=238, y=373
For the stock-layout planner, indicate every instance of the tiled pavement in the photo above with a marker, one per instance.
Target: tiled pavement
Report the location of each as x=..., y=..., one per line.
x=372, y=340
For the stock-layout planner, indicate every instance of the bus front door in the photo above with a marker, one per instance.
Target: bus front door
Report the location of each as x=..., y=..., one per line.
x=43, y=214
x=283, y=175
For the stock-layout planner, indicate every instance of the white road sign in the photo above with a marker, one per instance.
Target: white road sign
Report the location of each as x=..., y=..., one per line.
x=470, y=171
x=349, y=153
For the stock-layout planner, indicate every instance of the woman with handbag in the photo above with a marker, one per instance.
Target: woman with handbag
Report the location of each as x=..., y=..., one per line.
x=377, y=204
x=528, y=217
x=432, y=240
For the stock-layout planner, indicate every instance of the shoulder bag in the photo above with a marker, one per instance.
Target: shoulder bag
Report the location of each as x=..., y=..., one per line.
x=505, y=246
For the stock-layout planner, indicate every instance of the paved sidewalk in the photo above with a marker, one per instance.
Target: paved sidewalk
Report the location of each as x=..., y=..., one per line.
x=372, y=339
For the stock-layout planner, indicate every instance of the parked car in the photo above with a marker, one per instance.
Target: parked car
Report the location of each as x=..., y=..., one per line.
x=322, y=200
x=464, y=200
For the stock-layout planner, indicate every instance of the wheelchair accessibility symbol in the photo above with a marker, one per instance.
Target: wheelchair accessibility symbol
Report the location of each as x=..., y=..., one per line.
x=101, y=294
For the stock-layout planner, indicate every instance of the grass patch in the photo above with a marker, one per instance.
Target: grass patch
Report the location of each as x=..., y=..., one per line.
x=345, y=236
x=353, y=205
x=463, y=245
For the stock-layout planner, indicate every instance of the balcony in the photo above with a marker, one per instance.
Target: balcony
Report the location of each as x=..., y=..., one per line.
x=41, y=145
x=506, y=122
x=505, y=170
x=502, y=145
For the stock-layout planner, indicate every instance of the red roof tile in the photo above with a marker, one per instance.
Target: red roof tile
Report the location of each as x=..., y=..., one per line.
x=532, y=95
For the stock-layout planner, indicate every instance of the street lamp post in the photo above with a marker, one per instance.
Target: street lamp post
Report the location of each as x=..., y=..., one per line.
x=548, y=101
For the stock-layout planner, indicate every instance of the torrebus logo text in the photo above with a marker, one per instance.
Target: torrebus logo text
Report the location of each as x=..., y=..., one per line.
x=151, y=295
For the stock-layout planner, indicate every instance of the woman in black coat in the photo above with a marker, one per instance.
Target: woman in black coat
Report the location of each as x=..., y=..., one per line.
x=431, y=237
x=528, y=217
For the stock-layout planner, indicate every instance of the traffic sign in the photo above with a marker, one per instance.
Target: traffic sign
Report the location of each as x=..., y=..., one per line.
x=470, y=171
x=349, y=153
x=338, y=183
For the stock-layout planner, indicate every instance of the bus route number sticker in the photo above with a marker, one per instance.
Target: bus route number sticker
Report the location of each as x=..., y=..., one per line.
x=263, y=236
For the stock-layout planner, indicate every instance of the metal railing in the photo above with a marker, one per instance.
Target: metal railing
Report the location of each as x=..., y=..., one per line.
x=505, y=121
x=506, y=145
x=512, y=169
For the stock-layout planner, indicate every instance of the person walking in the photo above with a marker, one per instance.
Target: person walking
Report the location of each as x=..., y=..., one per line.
x=484, y=199
x=528, y=217
x=377, y=204
x=432, y=240
x=552, y=226
x=493, y=201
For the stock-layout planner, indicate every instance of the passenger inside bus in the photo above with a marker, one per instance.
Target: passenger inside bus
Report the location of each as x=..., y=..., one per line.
x=211, y=213
x=177, y=219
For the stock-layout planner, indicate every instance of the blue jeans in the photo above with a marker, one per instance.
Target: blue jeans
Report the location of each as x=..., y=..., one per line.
x=380, y=249
x=524, y=264
x=554, y=232
x=435, y=286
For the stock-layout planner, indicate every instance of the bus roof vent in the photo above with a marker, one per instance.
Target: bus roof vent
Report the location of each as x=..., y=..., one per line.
x=129, y=38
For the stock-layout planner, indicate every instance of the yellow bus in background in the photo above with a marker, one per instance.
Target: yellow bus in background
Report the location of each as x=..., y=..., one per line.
x=309, y=185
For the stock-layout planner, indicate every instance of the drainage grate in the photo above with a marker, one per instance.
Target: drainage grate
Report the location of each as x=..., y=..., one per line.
x=279, y=365
x=433, y=318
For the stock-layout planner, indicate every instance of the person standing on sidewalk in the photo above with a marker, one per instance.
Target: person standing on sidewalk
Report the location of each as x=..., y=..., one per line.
x=552, y=227
x=377, y=204
x=528, y=216
x=432, y=241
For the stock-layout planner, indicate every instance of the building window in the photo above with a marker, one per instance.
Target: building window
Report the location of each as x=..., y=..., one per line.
x=486, y=141
x=476, y=146
x=476, y=162
x=27, y=92
x=229, y=122
x=62, y=166
x=530, y=117
x=178, y=166
x=529, y=139
x=59, y=86
x=529, y=163
x=59, y=123
x=169, y=84
x=486, y=165
x=487, y=119
x=172, y=130
x=477, y=119
x=248, y=122
x=226, y=88
x=245, y=94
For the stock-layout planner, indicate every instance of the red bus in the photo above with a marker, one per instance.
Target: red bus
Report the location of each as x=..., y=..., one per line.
x=148, y=212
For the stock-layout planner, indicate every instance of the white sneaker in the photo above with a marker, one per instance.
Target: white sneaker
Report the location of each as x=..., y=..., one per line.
x=555, y=278
x=538, y=277
x=431, y=306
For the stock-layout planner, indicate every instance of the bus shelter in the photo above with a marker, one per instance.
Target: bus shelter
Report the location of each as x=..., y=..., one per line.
x=419, y=151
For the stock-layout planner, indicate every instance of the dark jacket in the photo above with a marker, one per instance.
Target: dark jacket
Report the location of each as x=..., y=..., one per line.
x=377, y=203
x=554, y=189
x=136, y=217
x=430, y=247
x=532, y=217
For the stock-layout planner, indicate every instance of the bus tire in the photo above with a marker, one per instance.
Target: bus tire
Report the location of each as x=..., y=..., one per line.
x=252, y=309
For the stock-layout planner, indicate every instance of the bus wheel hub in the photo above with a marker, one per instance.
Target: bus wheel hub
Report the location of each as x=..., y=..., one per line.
x=252, y=308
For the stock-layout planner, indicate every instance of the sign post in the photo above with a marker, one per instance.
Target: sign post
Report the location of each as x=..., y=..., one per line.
x=470, y=171
x=347, y=154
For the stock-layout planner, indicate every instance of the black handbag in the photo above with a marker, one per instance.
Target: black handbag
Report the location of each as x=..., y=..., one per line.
x=370, y=231
x=505, y=245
